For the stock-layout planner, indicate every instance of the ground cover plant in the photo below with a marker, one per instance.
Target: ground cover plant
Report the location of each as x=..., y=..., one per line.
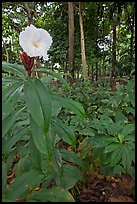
x=68, y=102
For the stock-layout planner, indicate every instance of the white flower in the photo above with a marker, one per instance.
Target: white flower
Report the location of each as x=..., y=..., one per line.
x=35, y=41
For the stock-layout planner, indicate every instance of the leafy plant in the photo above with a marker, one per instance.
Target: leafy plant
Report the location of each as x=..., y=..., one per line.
x=31, y=132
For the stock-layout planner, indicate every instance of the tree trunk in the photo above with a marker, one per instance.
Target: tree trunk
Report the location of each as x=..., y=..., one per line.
x=118, y=47
x=113, y=52
x=131, y=39
x=85, y=72
x=29, y=13
x=71, y=37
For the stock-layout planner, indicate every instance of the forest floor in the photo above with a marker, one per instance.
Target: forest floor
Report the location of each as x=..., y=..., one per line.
x=98, y=189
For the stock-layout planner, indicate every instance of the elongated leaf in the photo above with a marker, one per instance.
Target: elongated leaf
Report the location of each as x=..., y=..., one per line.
x=121, y=137
x=38, y=137
x=84, y=147
x=111, y=147
x=38, y=103
x=10, y=80
x=45, y=102
x=33, y=102
x=9, y=90
x=116, y=156
x=4, y=176
x=16, y=69
x=56, y=194
x=22, y=184
x=71, y=175
x=128, y=129
x=64, y=132
x=12, y=140
x=8, y=122
x=118, y=169
x=126, y=158
x=7, y=200
x=23, y=165
x=72, y=105
x=71, y=156
x=10, y=103
x=52, y=73
x=35, y=155
x=130, y=110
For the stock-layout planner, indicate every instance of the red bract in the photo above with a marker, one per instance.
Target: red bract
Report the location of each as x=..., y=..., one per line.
x=27, y=61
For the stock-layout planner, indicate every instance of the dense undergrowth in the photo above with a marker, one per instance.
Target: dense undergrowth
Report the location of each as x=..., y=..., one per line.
x=96, y=124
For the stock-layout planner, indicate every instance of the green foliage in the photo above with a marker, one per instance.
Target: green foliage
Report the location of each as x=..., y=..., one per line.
x=109, y=127
x=31, y=131
x=56, y=194
x=96, y=123
x=53, y=17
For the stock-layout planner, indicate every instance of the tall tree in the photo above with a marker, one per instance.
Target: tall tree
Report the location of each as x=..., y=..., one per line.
x=30, y=15
x=113, y=52
x=71, y=37
x=85, y=72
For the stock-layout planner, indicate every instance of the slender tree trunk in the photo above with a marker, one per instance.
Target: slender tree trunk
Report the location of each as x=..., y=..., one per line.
x=30, y=14
x=85, y=72
x=113, y=52
x=131, y=39
x=118, y=47
x=71, y=37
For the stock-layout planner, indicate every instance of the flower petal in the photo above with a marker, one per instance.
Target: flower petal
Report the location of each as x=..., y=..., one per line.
x=32, y=36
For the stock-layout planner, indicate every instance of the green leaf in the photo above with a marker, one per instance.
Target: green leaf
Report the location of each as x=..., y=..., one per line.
x=65, y=132
x=20, y=187
x=130, y=110
x=70, y=176
x=9, y=104
x=16, y=69
x=39, y=137
x=116, y=156
x=111, y=147
x=8, y=122
x=38, y=102
x=9, y=90
x=112, y=140
x=128, y=129
x=84, y=147
x=72, y=105
x=101, y=143
x=46, y=79
x=23, y=165
x=118, y=169
x=126, y=158
x=54, y=74
x=45, y=102
x=121, y=137
x=56, y=194
x=10, y=80
x=71, y=156
x=12, y=140
x=36, y=156
x=4, y=177
x=119, y=116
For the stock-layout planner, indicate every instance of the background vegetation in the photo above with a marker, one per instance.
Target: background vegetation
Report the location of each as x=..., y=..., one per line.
x=86, y=92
